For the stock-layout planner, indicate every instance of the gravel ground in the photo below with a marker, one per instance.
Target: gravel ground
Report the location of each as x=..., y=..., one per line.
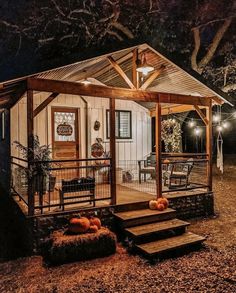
x=213, y=269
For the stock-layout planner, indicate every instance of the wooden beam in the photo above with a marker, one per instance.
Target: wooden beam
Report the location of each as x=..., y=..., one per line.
x=152, y=77
x=112, y=133
x=134, y=68
x=120, y=71
x=158, y=151
x=76, y=88
x=201, y=114
x=44, y=104
x=174, y=109
x=30, y=131
x=209, y=146
x=217, y=100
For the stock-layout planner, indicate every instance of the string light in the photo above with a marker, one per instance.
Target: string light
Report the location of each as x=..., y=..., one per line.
x=191, y=123
x=197, y=131
x=219, y=128
x=216, y=118
x=225, y=124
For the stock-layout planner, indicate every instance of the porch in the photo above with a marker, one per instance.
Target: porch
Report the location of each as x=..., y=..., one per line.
x=86, y=195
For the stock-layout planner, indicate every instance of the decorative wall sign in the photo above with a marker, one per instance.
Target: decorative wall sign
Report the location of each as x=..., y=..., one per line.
x=97, y=125
x=64, y=129
x=97, y=150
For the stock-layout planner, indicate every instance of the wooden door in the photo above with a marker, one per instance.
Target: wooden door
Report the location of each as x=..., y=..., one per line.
x=65, y=144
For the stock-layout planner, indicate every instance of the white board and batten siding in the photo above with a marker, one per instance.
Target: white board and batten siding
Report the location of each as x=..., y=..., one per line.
x=136, y=148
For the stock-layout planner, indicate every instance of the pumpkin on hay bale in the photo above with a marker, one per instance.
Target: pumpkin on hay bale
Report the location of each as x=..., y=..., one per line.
x=62, y=248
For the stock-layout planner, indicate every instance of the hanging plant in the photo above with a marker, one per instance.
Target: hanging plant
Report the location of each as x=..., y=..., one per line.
x=171, y=135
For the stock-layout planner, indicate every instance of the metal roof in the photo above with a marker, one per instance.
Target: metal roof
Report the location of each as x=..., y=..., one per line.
x=173, y=79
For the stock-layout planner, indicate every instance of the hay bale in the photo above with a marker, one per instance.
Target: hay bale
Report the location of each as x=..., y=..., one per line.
x=62, y=248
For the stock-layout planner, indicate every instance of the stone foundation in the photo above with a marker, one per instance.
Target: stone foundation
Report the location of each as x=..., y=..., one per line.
x=193, y=206
x=186, y=206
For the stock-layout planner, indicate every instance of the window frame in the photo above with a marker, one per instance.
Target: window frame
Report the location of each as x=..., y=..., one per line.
x=130, y=126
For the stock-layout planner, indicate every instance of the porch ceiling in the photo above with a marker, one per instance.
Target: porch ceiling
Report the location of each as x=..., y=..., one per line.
x=172, y=79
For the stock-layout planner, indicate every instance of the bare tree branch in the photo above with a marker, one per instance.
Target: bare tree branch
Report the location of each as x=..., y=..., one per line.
x=215, y=43
x=197, y=44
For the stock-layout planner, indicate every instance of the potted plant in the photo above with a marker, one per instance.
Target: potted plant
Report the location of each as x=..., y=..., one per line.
x=39, y=170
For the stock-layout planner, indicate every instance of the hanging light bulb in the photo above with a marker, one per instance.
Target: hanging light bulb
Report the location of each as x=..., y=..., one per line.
x=197, y=131
x=225, y=124
x=142, y=65
x=216, y=118
x=219, y=127
x=191, y=123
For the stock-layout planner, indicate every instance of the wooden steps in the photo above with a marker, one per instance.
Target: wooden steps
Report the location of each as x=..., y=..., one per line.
x=156, y=233
x=156, y=230
x=144, y=216
x=158, y=247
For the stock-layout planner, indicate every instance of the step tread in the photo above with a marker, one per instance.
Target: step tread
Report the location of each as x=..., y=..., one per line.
x=175, y=242
x=156, y=227
x=134, y=214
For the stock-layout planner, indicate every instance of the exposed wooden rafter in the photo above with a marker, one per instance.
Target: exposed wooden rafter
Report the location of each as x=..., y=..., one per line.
x=201, y=114
x=120, y=71
x=75, y=88
x=134, y=68
x=45, y=103
x=151, y=78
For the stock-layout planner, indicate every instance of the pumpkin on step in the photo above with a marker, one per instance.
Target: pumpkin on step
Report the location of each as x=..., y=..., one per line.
x=95, y=221
x=163, y=201
x=93, y=229
x=160, y=207
x=79, y=225
x=152, y=204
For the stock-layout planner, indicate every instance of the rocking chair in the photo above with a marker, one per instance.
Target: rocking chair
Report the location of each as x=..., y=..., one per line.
x=180, y=178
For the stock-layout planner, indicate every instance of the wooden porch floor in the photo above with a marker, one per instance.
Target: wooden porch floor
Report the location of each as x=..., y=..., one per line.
x=125, y=195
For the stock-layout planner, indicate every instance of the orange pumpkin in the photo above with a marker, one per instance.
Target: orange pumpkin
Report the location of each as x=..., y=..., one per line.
x=79, y=225
x=160, y=207
x=95, y=221
x=93, y=229
x=152, y=204
x=163, y=201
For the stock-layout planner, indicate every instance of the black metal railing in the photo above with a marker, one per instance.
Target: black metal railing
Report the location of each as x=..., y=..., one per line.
x=19, y=179
x=180, y=172
x=59, y=184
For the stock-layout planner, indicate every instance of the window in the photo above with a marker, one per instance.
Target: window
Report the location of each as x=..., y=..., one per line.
x=123, y=124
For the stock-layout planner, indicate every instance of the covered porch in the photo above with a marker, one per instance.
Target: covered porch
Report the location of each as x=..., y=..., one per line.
x=109, y=180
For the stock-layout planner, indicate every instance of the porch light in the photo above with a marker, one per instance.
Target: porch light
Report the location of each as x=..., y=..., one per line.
x=142, y=65
x=86, y=81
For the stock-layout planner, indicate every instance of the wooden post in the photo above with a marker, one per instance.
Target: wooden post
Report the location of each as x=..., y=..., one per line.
x=113, y=149
x=209, y=145
x=30, y=131
x=158, y=151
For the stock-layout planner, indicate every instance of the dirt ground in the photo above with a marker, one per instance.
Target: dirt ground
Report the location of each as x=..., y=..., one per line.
x=212, y=269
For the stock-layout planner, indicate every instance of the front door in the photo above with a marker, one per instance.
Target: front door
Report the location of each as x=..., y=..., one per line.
x=65, y=143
